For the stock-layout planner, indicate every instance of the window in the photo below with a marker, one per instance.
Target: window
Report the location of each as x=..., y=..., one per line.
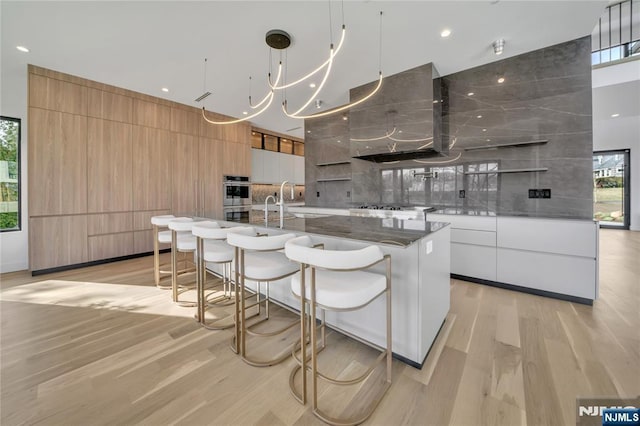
x=9, y=174
x=611, y=192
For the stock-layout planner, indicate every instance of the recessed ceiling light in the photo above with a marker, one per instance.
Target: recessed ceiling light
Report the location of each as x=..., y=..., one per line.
x=615, y=115
x=445, y=33
x=164, y=89
x=245, y=112
x=488, y=140
x=345, y=118
x=308, y=131
x=312, y=85
x=470, y=94
x=484, y=130
x=501, y=80
x=367, y=147
x=22, y=49
x=399, y=131
x=478, y=116
x=339, y=141
x=435, y=102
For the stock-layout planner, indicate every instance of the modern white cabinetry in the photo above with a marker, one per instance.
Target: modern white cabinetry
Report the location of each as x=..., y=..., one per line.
x=541, y=254
x=559, y=256
x=274, y=167
x=473, y=244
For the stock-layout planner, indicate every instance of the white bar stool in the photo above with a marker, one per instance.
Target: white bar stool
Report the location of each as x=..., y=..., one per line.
x=161, y=235
x=259, y=259
x=210, y=240
x=182, y=241
x=335, y=280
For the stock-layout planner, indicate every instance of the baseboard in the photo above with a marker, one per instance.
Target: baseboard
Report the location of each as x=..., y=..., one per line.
x=93, y=263
x=513, y=287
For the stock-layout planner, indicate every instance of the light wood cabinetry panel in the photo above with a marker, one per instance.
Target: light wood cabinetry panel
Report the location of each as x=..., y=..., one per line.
x=211, y=175
x=212, y=131
x=143, y=242
x=57, y=163
x=152, y=168
x=151, y=114
x=57, y=95
x=185, y=121
x=110, y=106
x=109, y=223
x=109, y=171
x=108, y=246
x=236, y=159
x=240, y=133
x=142, y=220
x=57, y=241
x=186, y=185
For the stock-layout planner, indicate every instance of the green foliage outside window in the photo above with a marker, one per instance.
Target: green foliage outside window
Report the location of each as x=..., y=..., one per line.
x=9, y=171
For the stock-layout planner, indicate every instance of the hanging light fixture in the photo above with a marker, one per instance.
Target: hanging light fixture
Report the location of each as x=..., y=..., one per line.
x=280, y=40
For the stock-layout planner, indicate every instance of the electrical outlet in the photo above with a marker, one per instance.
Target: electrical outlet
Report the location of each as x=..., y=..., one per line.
x=539, y=193
x=318, y=194
x=348, y=194
x=461, y=193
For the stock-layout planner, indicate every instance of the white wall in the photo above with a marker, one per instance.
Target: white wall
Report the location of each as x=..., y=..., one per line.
x=14, y=248
x=615, y=90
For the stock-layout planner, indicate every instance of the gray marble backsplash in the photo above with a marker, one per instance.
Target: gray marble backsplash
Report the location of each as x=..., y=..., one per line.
x=545, y=96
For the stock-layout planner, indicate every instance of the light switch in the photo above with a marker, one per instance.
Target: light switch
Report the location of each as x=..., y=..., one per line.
x=429, y=246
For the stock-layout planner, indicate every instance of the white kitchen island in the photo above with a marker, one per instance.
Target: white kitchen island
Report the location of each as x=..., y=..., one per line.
x=420, y=259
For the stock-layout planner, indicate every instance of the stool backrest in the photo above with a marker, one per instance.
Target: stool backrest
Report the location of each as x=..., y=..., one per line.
x=181, y=224
x=204, y=228
x=300, y=250
x=270, y=242
x=162, y=220
x=217, y=233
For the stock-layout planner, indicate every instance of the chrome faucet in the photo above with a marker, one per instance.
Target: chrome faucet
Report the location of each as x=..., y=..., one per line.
x=281, y=201
x=266, y=211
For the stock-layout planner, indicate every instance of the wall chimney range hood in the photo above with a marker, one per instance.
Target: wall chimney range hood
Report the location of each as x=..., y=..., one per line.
x=404, y=121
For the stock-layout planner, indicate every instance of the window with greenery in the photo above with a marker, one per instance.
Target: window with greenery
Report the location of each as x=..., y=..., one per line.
x=9, y=174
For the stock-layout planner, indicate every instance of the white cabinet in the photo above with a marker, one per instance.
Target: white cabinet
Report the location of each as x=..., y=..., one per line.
x=274, y=167
x=285, y=167
x=559, y=256
x=298, y=169
x=473, y=245
x=549, y=255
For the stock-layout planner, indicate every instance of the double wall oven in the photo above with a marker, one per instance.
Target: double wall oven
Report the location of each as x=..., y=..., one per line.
x=236, y=193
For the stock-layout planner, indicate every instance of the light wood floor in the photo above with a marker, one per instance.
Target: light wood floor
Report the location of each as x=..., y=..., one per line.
x=102, y=345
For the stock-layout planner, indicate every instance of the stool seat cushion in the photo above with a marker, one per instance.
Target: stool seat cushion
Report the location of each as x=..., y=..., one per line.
x=217, y=251
x=162, y=220
x=267, y=265
x=341, y=290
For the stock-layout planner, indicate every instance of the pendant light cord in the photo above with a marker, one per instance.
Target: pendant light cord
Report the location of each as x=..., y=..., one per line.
x=380, y=46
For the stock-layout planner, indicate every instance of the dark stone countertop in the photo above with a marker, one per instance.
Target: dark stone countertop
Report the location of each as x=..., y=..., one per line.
x=387, y=231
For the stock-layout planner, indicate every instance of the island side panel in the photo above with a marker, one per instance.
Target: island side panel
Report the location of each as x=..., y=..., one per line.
x=434, y=289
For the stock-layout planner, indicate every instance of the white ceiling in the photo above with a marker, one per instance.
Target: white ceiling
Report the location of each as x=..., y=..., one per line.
x=147, y=45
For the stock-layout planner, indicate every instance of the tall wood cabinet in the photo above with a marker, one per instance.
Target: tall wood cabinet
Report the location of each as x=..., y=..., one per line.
x=104, y=160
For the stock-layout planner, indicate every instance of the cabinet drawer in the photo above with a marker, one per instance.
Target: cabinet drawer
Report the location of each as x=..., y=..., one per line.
x=112, y=245
x=466, y=236
x=473, y=261
x=569, y=237
x=109, y=223
x=574, y=276
x=478, y=223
